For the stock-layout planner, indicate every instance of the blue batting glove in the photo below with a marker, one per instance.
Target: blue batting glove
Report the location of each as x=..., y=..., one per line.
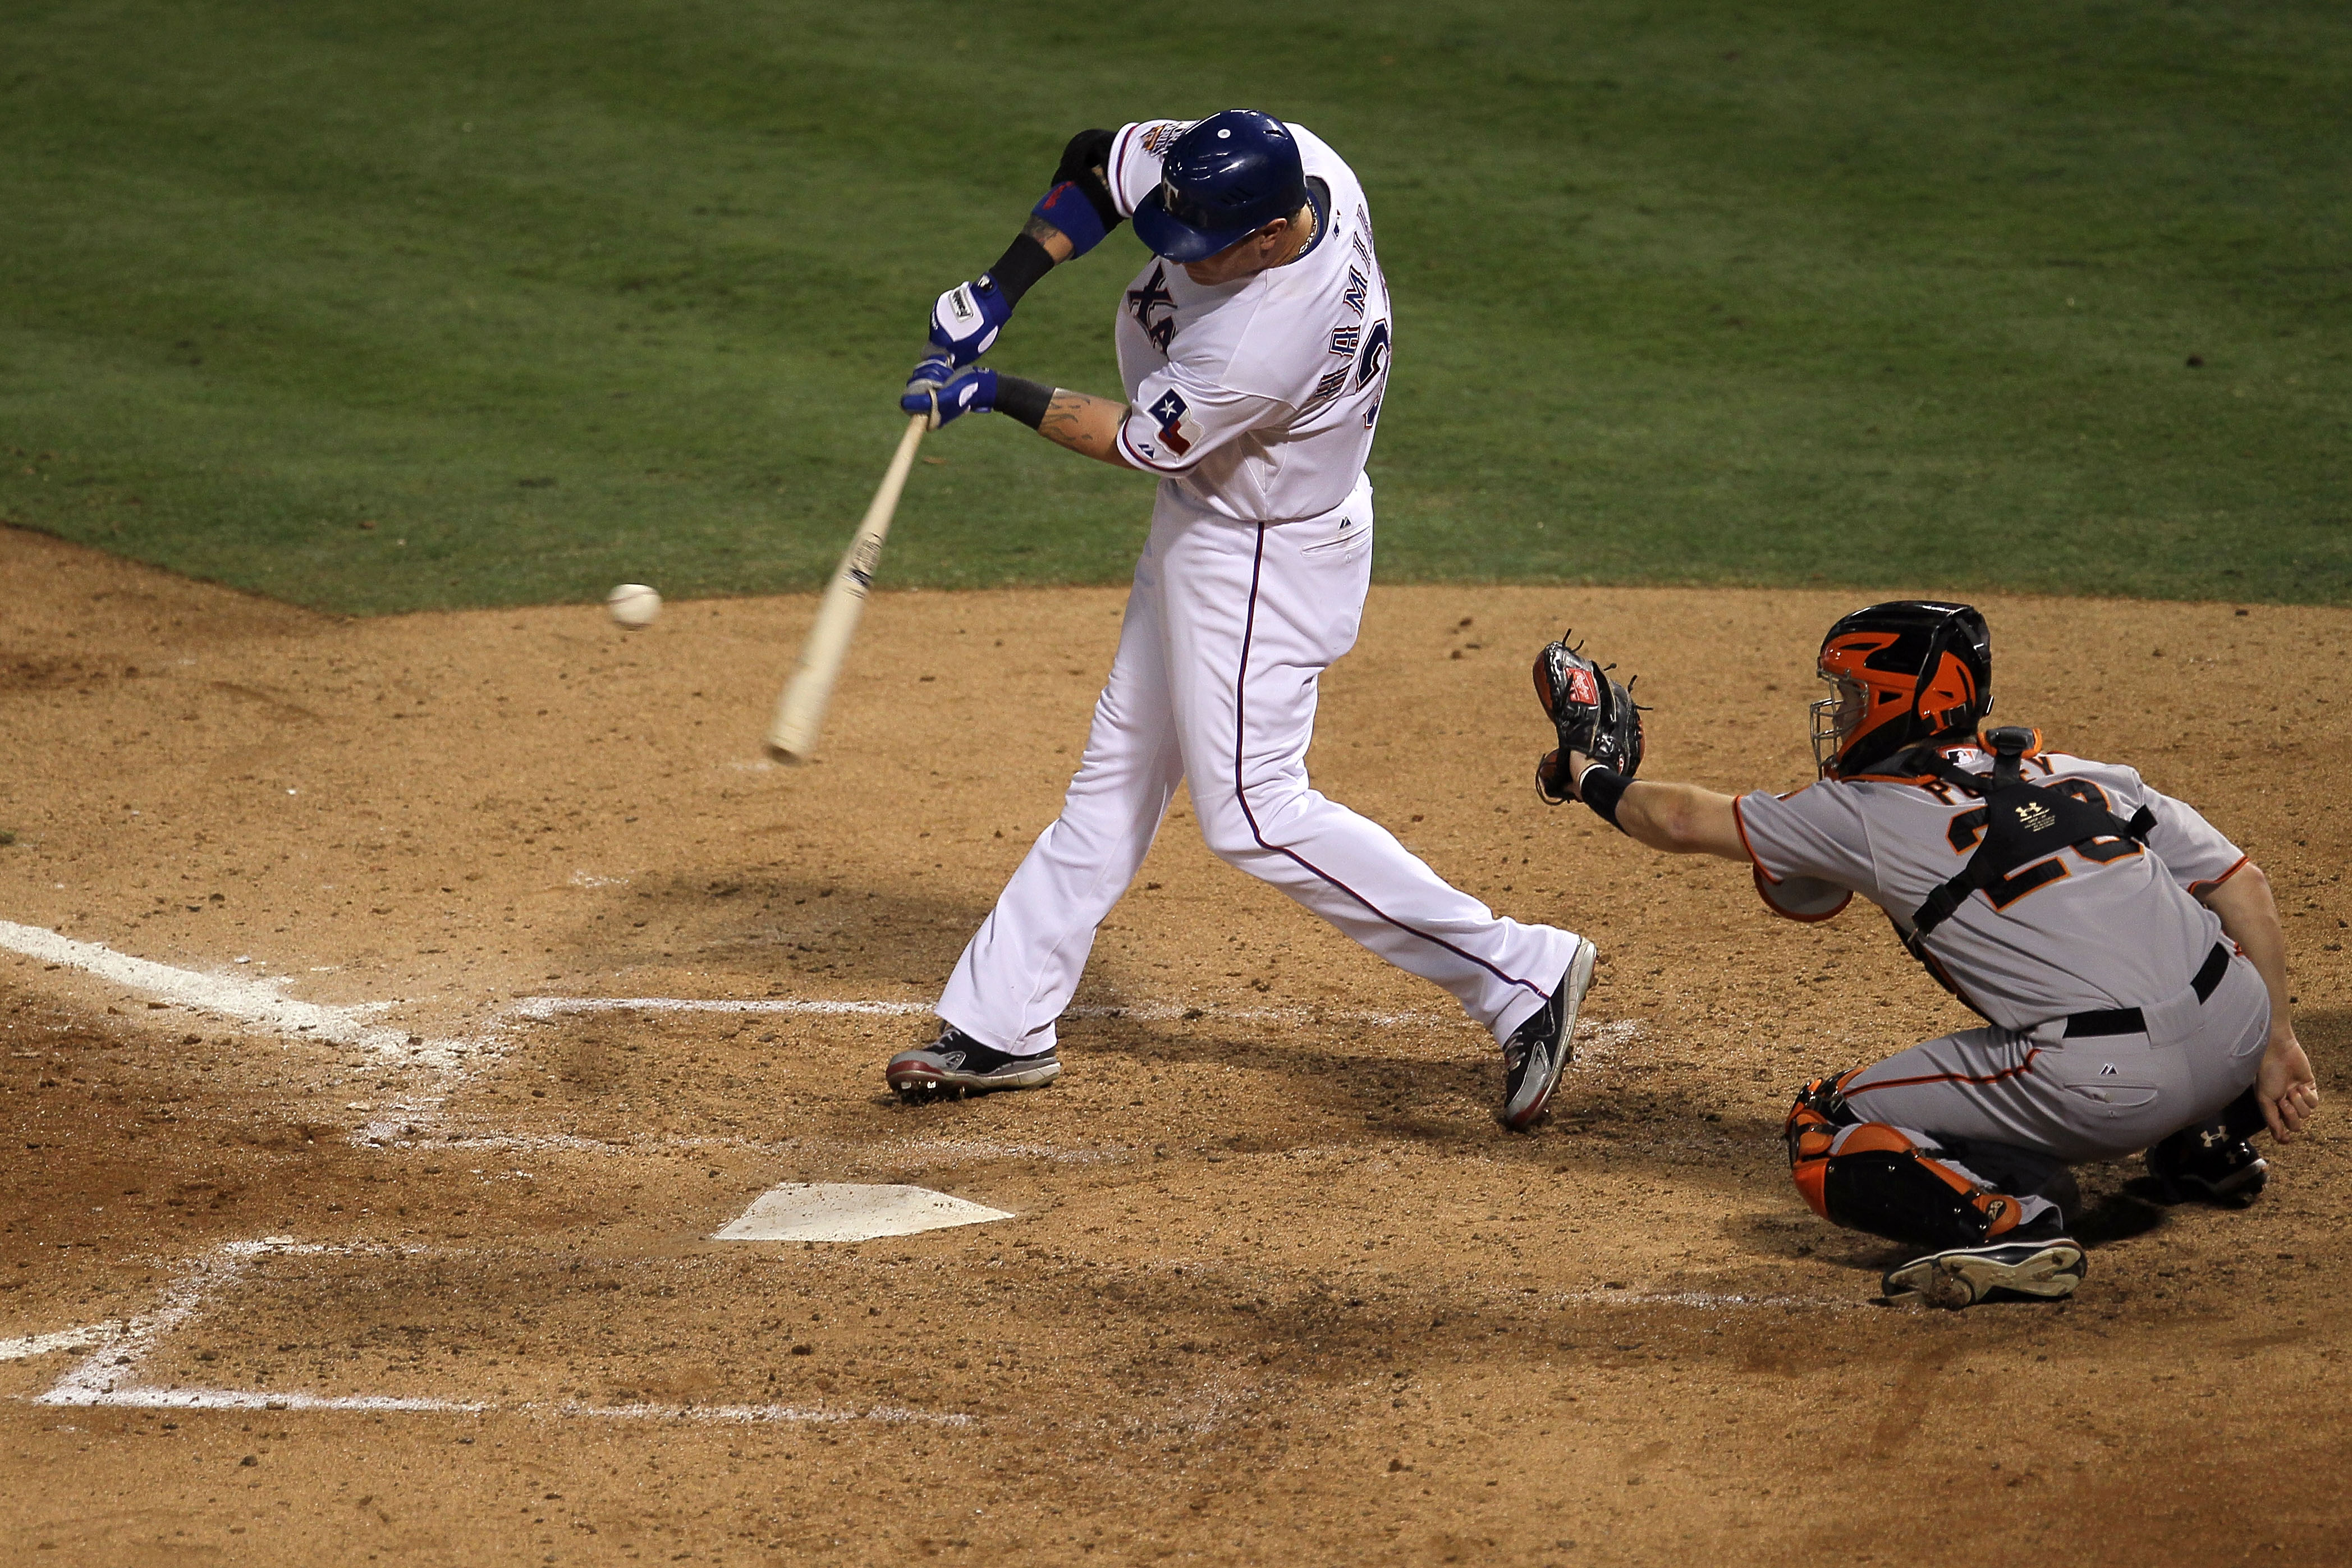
x=937, y=391
x=967, y=318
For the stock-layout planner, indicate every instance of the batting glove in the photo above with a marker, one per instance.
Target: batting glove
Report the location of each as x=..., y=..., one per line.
x=937, y=391
x=967, y=318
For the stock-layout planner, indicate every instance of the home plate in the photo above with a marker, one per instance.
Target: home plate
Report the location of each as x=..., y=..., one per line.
x=841, y=1210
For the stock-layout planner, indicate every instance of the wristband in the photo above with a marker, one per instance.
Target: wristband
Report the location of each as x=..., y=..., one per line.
x=1023, y=400
x=1069, y=209
x=1598, y=788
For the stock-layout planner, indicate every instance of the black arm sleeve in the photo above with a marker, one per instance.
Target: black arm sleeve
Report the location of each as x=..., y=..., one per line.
x=1018, y=398
x=1023, y=262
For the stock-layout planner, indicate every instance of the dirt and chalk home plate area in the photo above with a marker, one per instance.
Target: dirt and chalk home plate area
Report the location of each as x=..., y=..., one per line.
x=443, y=1118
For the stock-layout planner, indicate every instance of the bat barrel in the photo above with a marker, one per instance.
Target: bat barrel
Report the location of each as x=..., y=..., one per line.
x=800, y=711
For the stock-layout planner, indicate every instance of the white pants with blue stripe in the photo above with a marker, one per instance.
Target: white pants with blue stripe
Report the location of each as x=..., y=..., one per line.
x=1229, y=626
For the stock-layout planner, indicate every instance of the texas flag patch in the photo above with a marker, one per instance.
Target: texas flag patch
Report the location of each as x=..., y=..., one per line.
x=1178, y=429
x=1582, y=688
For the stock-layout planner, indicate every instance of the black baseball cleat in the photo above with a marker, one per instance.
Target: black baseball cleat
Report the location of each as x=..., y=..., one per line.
x=2208, y=1163
x=956, y=1065
x=1966, y=1275
x=1538, y=1050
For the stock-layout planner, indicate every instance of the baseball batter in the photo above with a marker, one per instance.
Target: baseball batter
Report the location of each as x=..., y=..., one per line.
x=1254, y=347
x=2127, y=959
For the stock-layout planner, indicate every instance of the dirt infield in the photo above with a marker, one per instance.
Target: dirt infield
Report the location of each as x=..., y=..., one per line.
x=414, y=1268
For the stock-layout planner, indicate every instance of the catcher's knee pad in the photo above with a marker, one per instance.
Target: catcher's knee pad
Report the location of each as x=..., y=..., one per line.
x=1819, y=1110
x=1869, y=1176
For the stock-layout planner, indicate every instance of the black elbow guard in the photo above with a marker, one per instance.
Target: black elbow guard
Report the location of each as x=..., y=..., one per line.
x=1087, y=151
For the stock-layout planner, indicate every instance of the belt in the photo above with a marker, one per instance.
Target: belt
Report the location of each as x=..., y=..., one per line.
x=2128, y=1020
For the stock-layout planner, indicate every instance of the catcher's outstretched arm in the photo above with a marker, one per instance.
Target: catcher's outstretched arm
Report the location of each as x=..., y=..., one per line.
x=1679, y=818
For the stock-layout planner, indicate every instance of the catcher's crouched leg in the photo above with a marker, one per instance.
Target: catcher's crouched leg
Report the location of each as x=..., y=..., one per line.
x=1907, y=1186
x=1989, y=1216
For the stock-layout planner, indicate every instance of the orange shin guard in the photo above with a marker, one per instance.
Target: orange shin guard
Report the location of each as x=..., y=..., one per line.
x=1870, y=1176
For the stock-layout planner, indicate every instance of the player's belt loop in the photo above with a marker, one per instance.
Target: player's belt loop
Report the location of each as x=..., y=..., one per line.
x=2130, y=1020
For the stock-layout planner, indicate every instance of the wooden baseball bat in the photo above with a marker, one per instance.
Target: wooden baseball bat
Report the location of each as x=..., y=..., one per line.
x=800, y=711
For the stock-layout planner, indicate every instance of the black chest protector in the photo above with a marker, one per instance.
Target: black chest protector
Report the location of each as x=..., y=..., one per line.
x=2022, y=825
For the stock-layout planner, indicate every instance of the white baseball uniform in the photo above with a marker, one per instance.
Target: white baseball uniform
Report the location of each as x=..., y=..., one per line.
x=1256, y=403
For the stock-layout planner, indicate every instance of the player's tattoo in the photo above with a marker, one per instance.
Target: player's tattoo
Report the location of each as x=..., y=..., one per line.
x=1086, y=425
x=1057, y=245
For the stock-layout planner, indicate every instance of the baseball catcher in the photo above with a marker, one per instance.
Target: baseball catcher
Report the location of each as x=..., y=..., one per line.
x=2127, y=959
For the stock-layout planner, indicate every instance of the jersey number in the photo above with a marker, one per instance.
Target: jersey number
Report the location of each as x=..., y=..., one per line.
x=1969, y=826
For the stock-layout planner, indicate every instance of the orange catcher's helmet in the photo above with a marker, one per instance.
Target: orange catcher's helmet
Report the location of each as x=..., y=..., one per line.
x=1901, y=675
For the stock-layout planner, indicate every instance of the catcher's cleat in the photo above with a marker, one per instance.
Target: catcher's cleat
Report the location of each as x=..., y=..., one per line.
x=1966, y=1275
x=956, y=1065
x=1540, y=1048
x=2206, y=1162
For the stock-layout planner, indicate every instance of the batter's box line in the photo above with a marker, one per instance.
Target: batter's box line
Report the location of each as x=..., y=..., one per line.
x=245, y=1001
x=546, y=1009
x=107, y=1379
x=260, y=1004
x=1705, y=1300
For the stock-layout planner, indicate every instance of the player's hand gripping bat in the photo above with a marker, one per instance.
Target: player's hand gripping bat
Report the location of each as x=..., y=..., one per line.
x=800, y=711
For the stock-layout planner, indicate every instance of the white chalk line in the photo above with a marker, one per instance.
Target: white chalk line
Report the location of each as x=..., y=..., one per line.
x=253, y=1003
x=107, y=1378
x=1709, y=1300
x=261, y=1004
x=249, y=1399
x=80, y=1339
x=226, y=997
x=395, y=1135
x=545, y=1009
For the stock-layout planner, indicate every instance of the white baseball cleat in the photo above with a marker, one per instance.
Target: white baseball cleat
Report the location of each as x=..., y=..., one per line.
x=1967, y=1275
x=1539, y=1049
x=956, y=1065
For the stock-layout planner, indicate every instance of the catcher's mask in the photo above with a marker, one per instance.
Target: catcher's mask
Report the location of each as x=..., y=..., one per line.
x=1900, y=675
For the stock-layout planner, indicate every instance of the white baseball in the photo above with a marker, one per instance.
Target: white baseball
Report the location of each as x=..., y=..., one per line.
x=634, y=604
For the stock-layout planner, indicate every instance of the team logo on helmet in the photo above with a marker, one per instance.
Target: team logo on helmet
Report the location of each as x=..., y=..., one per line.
x=1220, y=179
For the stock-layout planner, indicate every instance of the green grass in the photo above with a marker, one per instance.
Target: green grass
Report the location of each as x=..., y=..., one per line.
x=559, y=295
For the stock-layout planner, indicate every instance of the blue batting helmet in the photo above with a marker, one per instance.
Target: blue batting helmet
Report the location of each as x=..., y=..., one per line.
x=1227, y=175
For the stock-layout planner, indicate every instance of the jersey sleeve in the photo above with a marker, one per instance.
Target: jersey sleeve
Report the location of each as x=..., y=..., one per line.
x=1809, y=849
x=2192, y=849
x=1178, y=418
x=1135, y=155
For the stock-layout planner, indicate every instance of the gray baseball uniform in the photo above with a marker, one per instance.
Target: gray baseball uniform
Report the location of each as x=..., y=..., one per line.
x=2093, y=936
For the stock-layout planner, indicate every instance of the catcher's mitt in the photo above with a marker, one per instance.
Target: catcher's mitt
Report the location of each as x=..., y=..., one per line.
x=1591, y=713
